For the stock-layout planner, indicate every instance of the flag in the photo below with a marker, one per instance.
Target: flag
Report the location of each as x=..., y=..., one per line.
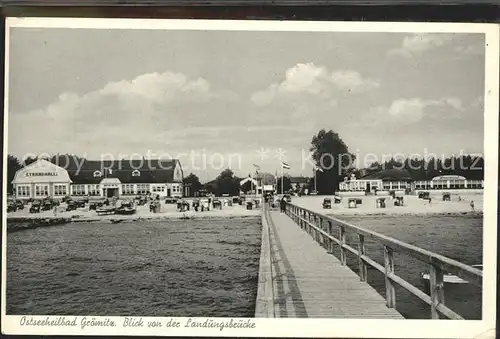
x=257, y=167
x=285, y=165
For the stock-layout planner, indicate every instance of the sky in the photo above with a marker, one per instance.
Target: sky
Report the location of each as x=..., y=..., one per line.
x=219, y=99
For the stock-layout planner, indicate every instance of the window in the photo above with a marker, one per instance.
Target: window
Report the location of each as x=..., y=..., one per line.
x=128, y=189
x=42, y=190
x=158, y=189
x=97, y=174
x=142, y=188
x=136, y=173
x=439, y=184
x=23, y=191
x=78, y=189
x=387, y=185
x=93, y=190
x=60, y=190
x=475, y=184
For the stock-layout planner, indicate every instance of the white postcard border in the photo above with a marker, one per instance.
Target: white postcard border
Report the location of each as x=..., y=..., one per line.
x=301, y=327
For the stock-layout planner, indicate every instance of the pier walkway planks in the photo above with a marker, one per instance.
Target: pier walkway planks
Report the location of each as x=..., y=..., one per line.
x=310, y=283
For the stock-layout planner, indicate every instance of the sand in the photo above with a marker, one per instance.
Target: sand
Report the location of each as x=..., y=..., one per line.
x=168, y=211
x=412, y=205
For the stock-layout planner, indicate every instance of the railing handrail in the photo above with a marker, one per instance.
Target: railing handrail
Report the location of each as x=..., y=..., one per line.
x=265, y=294
x=437, y=263
x=462, y=270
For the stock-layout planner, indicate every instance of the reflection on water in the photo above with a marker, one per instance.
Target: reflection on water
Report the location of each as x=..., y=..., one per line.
x=456, y=237
x=143, y=268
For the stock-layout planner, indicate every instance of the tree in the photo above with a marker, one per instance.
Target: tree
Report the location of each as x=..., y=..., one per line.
x=267, y=179
x=13, y=165
x=193, y=182
x=331, y=154
x=287, y=184
x=227, y=183
x=28, y=161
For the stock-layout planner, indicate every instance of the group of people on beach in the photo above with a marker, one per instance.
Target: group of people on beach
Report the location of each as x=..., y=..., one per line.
x=471, y=204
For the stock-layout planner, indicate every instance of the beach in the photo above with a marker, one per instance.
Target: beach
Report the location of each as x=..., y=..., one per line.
x=412, y=205
x=168, y=211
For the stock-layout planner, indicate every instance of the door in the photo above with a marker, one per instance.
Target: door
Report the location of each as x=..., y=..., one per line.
x=112, y=192
x=168, y=192
x=368, y=187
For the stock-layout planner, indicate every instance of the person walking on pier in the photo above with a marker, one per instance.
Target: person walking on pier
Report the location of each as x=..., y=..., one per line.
x=282, y=205
x=472, y=205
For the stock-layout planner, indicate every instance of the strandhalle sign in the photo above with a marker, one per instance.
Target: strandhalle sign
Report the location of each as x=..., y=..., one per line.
x=41, y=174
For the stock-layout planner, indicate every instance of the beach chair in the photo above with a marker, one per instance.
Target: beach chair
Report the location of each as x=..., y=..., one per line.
x=352, y=203
x=380, y=203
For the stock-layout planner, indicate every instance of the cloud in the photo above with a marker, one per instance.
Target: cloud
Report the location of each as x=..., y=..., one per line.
x=471, y=46
x=309, y=80
x=123, y=115
x=417, y=44
x=410, y=111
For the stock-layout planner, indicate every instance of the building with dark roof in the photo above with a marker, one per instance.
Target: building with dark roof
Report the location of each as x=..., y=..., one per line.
x=81, y=177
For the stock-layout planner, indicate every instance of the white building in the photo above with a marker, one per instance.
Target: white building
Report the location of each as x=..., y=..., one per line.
x=448, y=182
x=41, y=179
x=395, y=179
x=122, y=178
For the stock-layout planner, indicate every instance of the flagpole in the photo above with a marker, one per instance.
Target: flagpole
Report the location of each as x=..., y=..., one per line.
x=276, y=180
x=281, y=179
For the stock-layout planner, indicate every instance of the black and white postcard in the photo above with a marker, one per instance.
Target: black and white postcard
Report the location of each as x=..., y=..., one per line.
x=250, y=178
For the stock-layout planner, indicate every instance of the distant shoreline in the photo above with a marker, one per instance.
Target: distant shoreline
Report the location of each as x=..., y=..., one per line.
x=39, y=221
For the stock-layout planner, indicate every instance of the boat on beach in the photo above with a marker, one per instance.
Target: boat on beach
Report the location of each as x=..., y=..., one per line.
x=448, y=278
x=125, y=210
x=106, y=210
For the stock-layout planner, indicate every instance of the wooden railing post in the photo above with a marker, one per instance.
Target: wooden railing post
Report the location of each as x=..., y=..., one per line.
x=309, y=222
x=315, y=224
x=321, y=227
x=363, y=272
x=390, y=291
x=437, y=289
x=343, y=257
x=330, y=232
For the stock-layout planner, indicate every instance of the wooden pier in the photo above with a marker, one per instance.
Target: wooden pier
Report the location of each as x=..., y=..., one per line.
x=300, y=277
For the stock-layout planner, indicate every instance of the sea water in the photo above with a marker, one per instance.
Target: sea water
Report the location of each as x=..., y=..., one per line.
x=204, y=267
x=141, y=268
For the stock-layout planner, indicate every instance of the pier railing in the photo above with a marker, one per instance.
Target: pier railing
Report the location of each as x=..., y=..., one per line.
x=322, y=229
x=264, y=307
